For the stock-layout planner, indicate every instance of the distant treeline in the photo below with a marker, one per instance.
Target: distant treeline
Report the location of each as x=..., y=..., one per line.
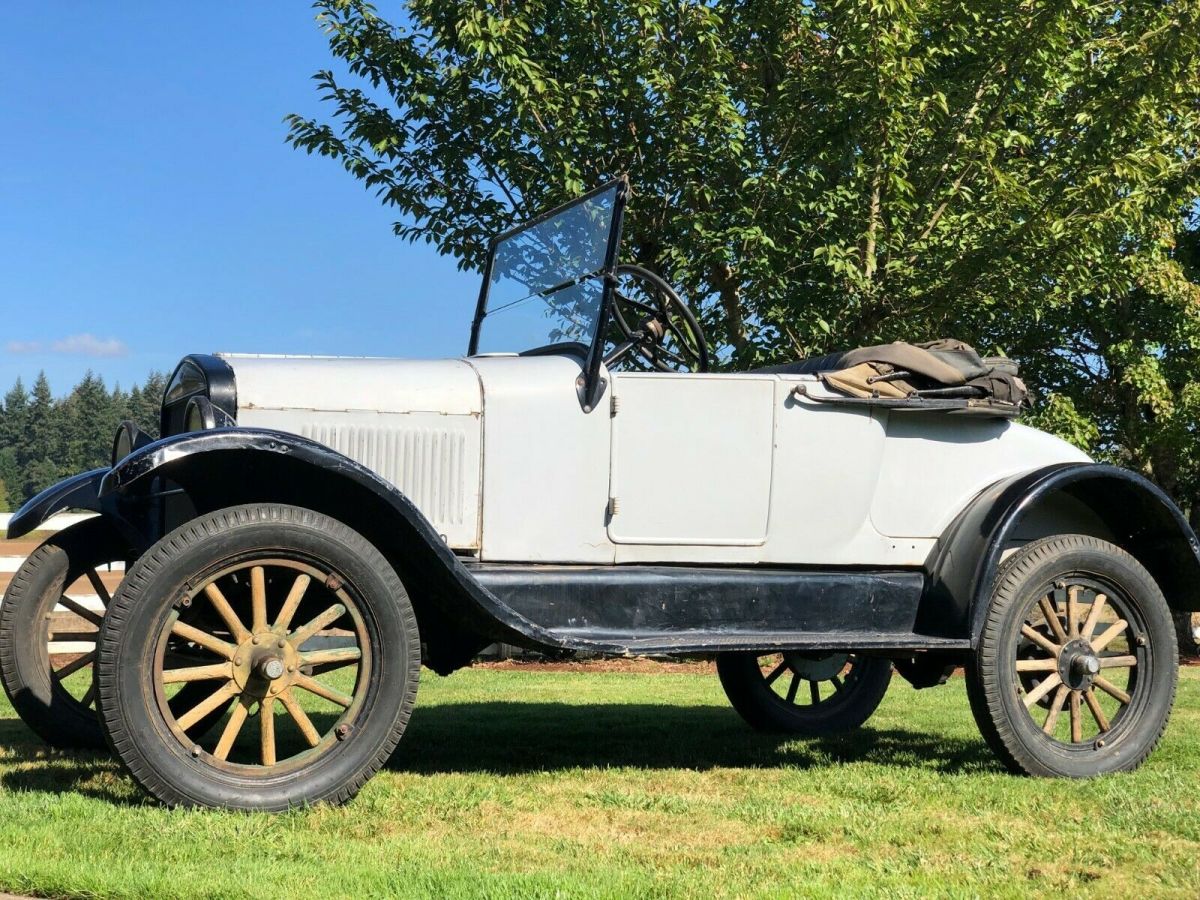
x=44, y=439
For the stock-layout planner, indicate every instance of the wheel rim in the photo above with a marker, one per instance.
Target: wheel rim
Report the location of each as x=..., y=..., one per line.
x=806, y=681
x=1079, y=654
x=73, y=628
x=304, y=685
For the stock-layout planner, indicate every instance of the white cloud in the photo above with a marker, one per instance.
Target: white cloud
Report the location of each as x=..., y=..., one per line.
x=23, y=346
x=90, y=345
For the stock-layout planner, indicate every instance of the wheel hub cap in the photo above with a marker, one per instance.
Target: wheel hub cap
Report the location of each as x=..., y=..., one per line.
x=265, y=665
x=1078, y=664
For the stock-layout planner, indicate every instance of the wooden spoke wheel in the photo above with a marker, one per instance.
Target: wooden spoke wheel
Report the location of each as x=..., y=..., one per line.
x=804, y=693
x=289, y=626
x=1075, y=673
x=49, y=625
x=256, y=660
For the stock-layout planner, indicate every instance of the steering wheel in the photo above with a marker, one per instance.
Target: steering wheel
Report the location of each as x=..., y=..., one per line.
x=655, y=331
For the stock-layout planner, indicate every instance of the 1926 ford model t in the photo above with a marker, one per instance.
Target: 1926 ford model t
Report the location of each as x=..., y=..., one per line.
x=308, y=531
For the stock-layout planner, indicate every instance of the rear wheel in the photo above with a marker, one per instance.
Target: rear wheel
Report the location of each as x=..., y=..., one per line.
x=804, y=693
x=1076, y=667
x=49, y=623
x=289, y=619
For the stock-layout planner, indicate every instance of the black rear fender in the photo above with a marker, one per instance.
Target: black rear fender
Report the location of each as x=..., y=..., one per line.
x=1107, y=502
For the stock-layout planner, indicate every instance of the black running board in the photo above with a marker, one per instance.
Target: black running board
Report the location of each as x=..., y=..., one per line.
x=655, y=610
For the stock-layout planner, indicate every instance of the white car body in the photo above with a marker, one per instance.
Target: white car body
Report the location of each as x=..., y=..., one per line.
x=712, y=469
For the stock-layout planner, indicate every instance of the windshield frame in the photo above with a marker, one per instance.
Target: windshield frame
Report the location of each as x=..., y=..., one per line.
x=590, y=384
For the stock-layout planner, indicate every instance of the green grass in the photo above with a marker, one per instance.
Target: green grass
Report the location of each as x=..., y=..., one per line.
x=612, y=785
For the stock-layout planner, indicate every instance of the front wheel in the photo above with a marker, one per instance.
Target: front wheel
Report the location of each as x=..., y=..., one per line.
x=1076, y=666
x=291, y=621
x=811, y=694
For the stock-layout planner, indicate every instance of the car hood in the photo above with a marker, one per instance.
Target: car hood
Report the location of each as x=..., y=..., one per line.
x=341, y=384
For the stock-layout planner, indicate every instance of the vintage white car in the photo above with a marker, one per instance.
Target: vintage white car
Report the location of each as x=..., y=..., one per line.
x=309, y=531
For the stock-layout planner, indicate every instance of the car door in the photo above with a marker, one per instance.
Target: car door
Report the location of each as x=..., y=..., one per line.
x=691, y=458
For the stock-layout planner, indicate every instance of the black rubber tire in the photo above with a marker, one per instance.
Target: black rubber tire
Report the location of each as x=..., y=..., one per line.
x=41, y=702
x=992, y=682
x=134, y=725
x=765, y=710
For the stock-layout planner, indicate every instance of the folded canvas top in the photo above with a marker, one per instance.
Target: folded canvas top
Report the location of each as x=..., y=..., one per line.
x=944, y=369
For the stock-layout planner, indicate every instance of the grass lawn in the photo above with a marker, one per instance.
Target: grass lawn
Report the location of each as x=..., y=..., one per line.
x=527, y=783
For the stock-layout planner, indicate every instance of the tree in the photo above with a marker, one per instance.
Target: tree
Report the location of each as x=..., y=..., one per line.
x=40, y=455
x=811, y=174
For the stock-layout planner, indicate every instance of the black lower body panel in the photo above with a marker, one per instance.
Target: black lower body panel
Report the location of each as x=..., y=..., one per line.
x=653, y=610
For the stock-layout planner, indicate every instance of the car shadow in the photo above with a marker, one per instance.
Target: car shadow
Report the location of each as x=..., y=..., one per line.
x=518, y=737
x=512, y=738
x=30, y=765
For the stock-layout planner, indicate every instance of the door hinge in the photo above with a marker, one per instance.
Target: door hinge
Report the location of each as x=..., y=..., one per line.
x=613, y=507
x=613, y=404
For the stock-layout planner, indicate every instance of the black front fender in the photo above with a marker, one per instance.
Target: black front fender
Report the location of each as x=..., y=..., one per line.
x=229, y=466
x=1138, y=514
x=80, y=491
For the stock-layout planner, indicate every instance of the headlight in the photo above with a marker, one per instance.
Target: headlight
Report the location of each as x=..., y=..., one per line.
x=199, y=415
x=128, y=438
x=199, y=378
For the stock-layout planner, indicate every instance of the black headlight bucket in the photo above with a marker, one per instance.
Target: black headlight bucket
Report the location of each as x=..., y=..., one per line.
x=127, y=439
x=199, y=376
x=201, y=414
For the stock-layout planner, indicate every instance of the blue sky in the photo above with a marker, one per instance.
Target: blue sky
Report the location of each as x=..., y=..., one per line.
x=150, y=208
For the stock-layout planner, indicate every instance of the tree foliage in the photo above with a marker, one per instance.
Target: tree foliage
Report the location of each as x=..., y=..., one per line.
x=822, y=174
x=44, y=439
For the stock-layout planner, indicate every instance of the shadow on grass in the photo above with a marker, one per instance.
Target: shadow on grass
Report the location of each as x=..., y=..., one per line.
x=29, y=765
x=515, y=738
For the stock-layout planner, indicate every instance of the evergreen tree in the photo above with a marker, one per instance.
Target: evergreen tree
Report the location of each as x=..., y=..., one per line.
x=43, y=440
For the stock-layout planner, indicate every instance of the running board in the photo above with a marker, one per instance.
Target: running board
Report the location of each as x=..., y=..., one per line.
x=652, y=610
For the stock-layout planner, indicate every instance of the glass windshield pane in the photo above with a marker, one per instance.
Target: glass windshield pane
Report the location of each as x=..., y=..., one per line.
x=545, y=286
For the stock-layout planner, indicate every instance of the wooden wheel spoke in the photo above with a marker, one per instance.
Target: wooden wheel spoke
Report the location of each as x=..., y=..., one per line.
x=1076, y=718
x=1089, y=697
x=1118, y=662
x=1060, y=698
x=324, y=620
x=266, y=726
x=292, y=603
x=204, y=639
x=776, y=672
x=1111, y=689
x=80, y=610
x=75, y=665
x=89, y=696
x=1093, y=619
x=1052, y=619
x=814, y=692
x=323, y=690
x=1037, y=665
x=1073, y=611
x=1051, y=681
x=1041, y=640
x=793, y=687
x=837, y=683
x=258, y=598
x=207, y=705
x=232, y=729
x=197, y=673
x=1110, y=634
x=93, y=578
x=342, y=656
x=232, y=621
x=303, y=722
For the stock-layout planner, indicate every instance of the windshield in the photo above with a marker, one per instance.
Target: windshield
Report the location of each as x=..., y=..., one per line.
x=545, y=283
